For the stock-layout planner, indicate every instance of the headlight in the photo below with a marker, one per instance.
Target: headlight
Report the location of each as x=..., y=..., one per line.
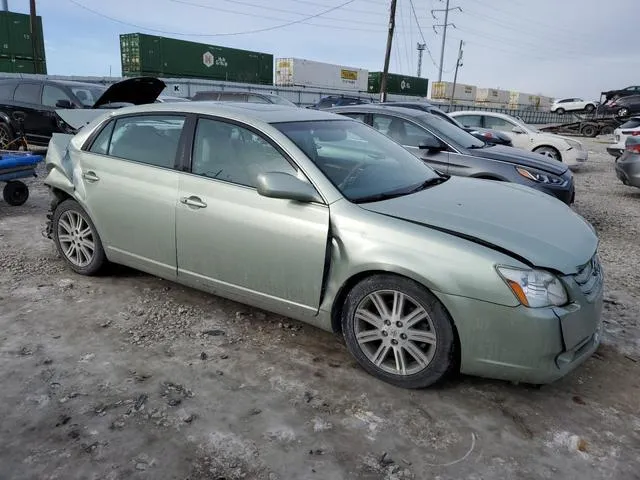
x=534, y=288
x=540, y=177
x=574, y=144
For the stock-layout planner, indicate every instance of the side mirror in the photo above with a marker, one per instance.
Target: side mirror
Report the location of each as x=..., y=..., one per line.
x=518, y=130
x=64, y=104
x=285, y=186
x=432, y=144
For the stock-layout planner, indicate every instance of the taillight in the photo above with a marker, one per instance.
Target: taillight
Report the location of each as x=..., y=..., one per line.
x=635, y=148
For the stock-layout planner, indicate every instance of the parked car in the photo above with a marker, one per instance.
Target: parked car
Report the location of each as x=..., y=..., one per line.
x=629, y=128
x=485, y=134
x=623, y=92
x=249, y=97
x=338, y=101
x=452, y=151
x=566, y=150
x=623, y=106
x=573, y=104
x=628, y=164
x=33, y=103
x=321, y=218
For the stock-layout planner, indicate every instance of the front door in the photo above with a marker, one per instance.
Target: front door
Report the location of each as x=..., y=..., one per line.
x=410, y=136
x=520, y=140
x=131, y=190
x=231, y=240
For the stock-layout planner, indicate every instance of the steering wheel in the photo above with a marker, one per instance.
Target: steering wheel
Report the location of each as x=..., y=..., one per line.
x=352, y=175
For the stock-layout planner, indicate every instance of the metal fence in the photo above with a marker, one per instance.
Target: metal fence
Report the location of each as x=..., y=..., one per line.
x=527, y=115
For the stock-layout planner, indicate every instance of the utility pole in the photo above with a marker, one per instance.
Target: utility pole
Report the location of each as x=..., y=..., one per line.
x=421, y=48
x=446, y=23
x=387, y=56
x=32, y=26
x=455, y=75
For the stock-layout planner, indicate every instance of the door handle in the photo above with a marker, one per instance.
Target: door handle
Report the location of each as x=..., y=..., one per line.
x=193, y=201
x=90, y=176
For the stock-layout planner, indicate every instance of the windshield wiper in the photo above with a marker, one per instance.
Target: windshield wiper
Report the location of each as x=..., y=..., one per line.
x=430, y=183
x=399, y=193
x=475, y=147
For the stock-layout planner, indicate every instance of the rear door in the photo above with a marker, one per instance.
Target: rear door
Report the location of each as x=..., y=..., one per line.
x=130, y=184
x=28, y=109
x=410, y=136
x=264, y=251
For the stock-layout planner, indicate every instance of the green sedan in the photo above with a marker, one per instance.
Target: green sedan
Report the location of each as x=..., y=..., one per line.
x=323, y=219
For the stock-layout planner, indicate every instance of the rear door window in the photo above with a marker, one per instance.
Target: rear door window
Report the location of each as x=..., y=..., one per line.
x=28, y=93
x=52, y=94
x=470, y=120
x=402, y=131
x=149, y=139
x=6, y=90
x=499, y=124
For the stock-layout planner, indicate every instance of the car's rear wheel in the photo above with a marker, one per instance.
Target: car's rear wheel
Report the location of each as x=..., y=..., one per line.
x=560, y=111
x=589, y=130
x=77, y=239
x=6, y=136
x=398, y=331
x=549, y=152
x=623, y=112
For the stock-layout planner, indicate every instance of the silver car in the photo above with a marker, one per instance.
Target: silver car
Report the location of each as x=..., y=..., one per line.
x=321, y=218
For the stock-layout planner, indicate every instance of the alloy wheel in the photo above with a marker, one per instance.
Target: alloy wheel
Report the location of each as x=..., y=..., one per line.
x=4, y=137
x=76, y=238
x=548, y=152
x=395, y=332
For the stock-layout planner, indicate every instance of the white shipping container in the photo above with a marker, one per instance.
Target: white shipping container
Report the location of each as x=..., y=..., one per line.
x=492, y=95
x=443, y=91
x=307, y=73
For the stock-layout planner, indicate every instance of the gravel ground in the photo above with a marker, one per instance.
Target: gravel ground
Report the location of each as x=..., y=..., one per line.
x=129, y=376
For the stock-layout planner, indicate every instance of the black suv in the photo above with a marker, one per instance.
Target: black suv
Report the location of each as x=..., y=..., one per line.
x=338, y=101
x=34, y=103
x=31, y=104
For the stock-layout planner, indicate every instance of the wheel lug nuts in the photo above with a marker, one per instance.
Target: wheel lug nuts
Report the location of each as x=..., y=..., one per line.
x=387, y=322
x=403, y=336
x=384, y=333
x=394, y=342
x=399, y=324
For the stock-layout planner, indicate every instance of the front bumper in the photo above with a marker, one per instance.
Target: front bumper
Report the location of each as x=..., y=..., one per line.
x=529, y=345
x=628, y=170
x=574, y=156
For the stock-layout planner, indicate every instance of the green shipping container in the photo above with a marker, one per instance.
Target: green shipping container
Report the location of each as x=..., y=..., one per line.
x=16, y=38
x=159, y=56
x=399, y=84
x=21, y=65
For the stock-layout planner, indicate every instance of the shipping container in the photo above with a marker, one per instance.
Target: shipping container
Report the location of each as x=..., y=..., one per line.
x=298, y=72
x=492, y=95
x=399, y=84
x=444, y=91
x=16, y=38
x=160, y=56
x=22, y=65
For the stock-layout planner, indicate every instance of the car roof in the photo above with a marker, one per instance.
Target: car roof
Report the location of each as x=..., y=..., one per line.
x=482, y=112
x=268, y=113
x=377, y=107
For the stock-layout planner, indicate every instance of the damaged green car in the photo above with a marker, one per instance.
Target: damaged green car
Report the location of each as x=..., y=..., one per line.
x=323, y=219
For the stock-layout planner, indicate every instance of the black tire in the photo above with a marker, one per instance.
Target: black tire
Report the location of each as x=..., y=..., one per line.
x=443, y=358
x=15, y=193
x=99, y=259
x=589, y=108
x=606, y=130
x=623, y=112
x=560, y=111
x=589, y=131
x=6, y=135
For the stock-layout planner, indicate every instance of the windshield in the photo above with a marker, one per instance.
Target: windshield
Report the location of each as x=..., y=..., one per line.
x=362, y=163
x=88, y=95
x=278, y=100
x=453, y=134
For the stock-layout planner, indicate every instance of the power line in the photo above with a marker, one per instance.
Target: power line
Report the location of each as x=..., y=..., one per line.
x=404, y=41
x=415, y=16
x=246, y=32
x=446, y=23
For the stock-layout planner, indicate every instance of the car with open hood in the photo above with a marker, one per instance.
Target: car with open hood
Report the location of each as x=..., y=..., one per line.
x=32, y=106
x=453, y=151
x=321, y=218
x=566, y=150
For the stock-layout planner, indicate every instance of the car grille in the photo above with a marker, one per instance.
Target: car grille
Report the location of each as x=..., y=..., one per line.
x=590, y=279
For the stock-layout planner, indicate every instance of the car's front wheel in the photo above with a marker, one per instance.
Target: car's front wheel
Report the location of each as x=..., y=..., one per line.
x=560, y=111
x=549, y=152
x=589, y=108
x=77, y=239
x=398, y=331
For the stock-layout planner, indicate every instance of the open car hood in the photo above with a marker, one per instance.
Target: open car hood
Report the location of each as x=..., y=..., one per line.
x=135, y=91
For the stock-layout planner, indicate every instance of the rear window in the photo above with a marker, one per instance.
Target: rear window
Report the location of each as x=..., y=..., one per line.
x=632, y=123
x=27, y=93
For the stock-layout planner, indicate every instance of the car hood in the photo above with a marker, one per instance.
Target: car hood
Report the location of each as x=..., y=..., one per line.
x=520, y=157
x=136, y=91
x=530, y=226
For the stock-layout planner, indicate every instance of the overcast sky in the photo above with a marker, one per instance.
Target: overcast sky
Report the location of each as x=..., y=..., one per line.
x=551, y=47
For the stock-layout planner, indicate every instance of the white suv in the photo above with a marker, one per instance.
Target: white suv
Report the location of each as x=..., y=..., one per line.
x=573, y=104
x=630, y=128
